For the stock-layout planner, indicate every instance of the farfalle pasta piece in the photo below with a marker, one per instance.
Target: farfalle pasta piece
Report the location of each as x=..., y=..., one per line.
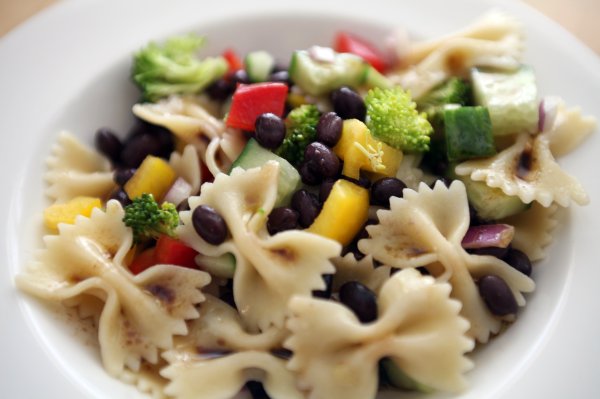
x=569, y=128
x=409, y=171
x=425, y=228
x=222, y=151
x=194, y=375
x=533, y=230
x=348, y=268
x=187, y=166
x=269, y=269
x=495, y=41
x=142, y=313
x=147, y=379
x=76, y=170
x=419, y=328
x=528, y=170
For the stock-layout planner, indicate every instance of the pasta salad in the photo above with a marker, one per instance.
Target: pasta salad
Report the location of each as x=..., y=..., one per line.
x=358, y=219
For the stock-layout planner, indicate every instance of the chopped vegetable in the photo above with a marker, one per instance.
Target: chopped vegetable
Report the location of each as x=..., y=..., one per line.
x=259, y=65
x=319, y=70
x=148, y=220
x=360, y=151
x=344, y=212
x=301, y=131
x=174, y=68
x=349, y=43
x=170, y=251
x=452, y=91
x=488, y=235
x=511, y=98
x=250, y=101
x=154, y=176
x=68, y=212
x=142, y=261
x=399, y=379
x=392, y=118
x=468, y=133
x=220, y=266
x=233, y=60
x=179, y=191
x=254, y=155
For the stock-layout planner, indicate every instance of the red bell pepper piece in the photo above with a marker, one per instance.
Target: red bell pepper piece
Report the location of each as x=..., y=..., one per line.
x=347, y=43
x=142, y=261
x=170, y=251
x=234, y=61
x=250, y=101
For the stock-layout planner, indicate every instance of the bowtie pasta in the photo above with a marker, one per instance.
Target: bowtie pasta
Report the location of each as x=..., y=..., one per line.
x=355, y=221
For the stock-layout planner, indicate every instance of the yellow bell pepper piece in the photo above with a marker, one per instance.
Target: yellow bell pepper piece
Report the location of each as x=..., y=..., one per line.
x=154, y=176
x=344, y=212
x=67, y=212
x=361, y=151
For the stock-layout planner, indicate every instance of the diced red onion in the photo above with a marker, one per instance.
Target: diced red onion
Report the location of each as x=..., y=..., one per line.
x=488, y=235
x=322, y=54
x=547, y=113
x=179, y=191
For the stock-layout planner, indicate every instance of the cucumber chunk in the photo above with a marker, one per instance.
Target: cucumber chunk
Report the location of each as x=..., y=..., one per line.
x=399, y=379
x=490, y=202
x=220, y=266
x=254, y=155
x=511, y=98
x=319, y=74
x=452, y=91
x=468, y=133
x=258, y=65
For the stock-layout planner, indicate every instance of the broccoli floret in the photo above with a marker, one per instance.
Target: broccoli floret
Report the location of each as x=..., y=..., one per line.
x=174, y=68
x=452, y=91
x=148, y=220
x=301, y=125
x=392, y=117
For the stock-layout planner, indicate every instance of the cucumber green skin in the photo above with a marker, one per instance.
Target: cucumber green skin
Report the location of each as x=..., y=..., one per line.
x=468, y=133
x=220, y=266
x=400, y=379
x=317, y=78
x=491, y=203
x=254, y=155
x=259, y=65
x=511, y=98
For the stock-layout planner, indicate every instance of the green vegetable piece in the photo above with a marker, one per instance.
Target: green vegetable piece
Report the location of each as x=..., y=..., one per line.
x=174, y=68
x=400, y=379
x=392, y=117
x=511, y=98
x=148, y=220
x=320, y=70
x=220, y=266
x=301, y=130
x=468, y=132
x=375, y=78
x=491, y=203
x=259, y=65
x=452, y=91
x=254, y=155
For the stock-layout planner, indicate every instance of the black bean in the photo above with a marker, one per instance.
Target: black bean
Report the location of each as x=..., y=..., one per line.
x=257, y=390
x=239, y=76
x=122, y=175
x=164, y=138
x=269, y=130
x=321, y=160
x=282, y=353
x=282, y=219
x=108, y=144
x=383, y=189
x=326, y=293
x=353, y=246
x=325, y=189
x=138, y=148
x=348, y=104
x=209, y=225
x=120, y=195
x=280, y=77
x=497, y=295
x=308, y=176
x=329, y=129
x=519, y=260
x=360, y=299
x=307, y=206
x=221, y=89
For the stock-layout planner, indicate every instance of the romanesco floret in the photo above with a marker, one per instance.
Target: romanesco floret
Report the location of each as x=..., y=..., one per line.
x=149, y=220
x=392, y=117
x=301, y=125
x=174, y=68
